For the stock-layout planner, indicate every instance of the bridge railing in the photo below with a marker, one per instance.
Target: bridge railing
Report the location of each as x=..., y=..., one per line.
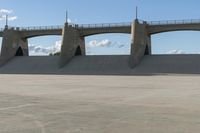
x=39, y=28
x=168, y=22
x=104, y=25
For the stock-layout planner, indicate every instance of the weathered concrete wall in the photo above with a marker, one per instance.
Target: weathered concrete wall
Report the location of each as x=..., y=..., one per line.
x=141, y=43
x=10, y=43
x=71, y=41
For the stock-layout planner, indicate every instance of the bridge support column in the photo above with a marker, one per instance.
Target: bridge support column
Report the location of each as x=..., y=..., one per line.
x=11, y=44
x=72, y=44
x=141, y=43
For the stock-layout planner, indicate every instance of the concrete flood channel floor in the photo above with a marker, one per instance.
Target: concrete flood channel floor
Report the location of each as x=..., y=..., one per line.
x=99, y=104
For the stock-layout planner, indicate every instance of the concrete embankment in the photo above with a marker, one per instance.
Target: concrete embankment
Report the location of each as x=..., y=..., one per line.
x=104, y=65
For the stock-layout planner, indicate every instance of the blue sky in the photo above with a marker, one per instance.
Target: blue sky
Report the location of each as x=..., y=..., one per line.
x=52, y=12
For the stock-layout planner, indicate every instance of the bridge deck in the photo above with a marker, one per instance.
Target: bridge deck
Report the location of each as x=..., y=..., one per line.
x=107, y=25
x=91, y=29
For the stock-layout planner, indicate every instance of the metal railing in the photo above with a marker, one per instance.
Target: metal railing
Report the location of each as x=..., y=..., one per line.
x=39, y=28
x=81, y=26
x=171, y=22
x=104, y=25
x=34, y=28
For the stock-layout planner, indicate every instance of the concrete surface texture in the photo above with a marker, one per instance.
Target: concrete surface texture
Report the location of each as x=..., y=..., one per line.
x=104, y=65
x=99, y=104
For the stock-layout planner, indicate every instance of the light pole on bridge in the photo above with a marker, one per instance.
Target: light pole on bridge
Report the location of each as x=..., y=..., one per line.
x=136, y=13
x=6, y=26
x=66, y=16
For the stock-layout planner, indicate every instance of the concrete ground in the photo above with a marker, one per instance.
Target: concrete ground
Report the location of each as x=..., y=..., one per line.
x=99, y=104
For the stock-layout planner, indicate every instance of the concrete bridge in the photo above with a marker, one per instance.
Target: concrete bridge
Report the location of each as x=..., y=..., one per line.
x=14, y=42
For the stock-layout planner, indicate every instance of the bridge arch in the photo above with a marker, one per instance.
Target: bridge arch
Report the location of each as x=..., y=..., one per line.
x=156, y=29
x=176, y=42
x=30, y=32
x=98, y=31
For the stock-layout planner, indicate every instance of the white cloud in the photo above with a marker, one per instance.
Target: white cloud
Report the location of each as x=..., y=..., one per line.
x=103, y=43
x=41, y=50
x=12, y=18
x=69, y=20
x=107, y=47
x=176, y=52
x=5, y=11
x=57, y=46
x=72, y=21
x=38, y=50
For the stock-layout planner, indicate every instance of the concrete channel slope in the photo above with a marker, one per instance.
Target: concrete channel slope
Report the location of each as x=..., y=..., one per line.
x=104, y=65
x=30, y=65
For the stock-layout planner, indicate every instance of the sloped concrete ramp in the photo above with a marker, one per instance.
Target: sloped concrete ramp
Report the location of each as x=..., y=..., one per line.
x=104, y=65
x=175, y=64
x=31, y=65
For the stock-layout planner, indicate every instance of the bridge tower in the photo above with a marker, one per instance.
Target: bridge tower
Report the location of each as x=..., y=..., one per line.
x=72, y=44
x=141, y=42
x=13, y=45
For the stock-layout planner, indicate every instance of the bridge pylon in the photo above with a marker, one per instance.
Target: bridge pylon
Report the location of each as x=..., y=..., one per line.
x=11, y=44
x=141, y=42
x=72, y=44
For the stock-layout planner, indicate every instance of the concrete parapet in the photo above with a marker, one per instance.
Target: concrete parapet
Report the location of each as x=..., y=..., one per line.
x=72, y=45
x=141, y=43
x=103, y=30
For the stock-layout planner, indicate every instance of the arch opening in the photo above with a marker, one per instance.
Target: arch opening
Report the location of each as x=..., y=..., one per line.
x=78, y=51
x=19, y=52
x=108, y=44
x=177, y=42
x=44, y=45
x=146, y=50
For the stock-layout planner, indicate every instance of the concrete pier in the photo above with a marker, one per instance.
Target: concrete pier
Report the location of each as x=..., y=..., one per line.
x=72, y=45
x=141, y=43
x=13, y=45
